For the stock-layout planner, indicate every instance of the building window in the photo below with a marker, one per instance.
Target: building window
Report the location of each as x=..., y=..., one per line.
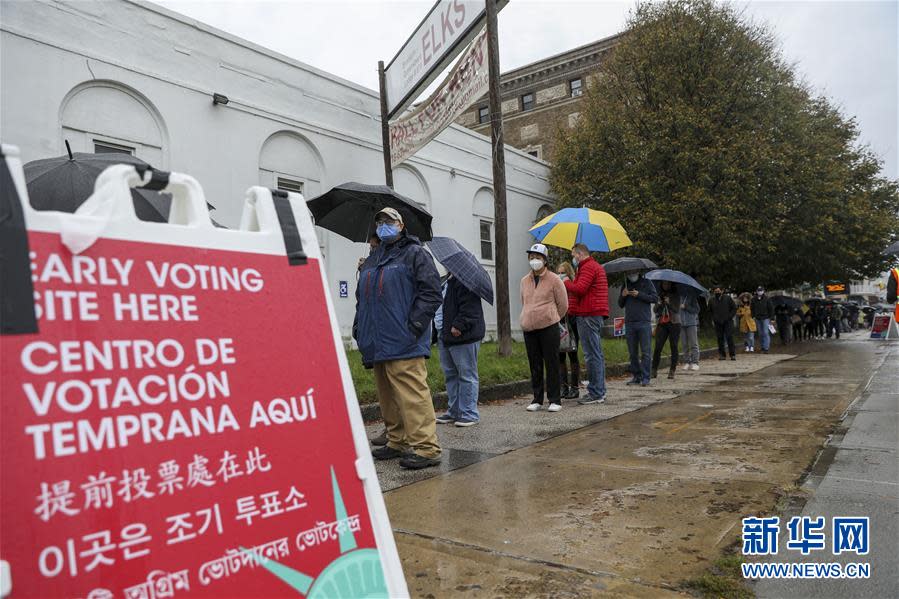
x=543, y=212
x=105, y=147
x=486, y=240
x=535, y=150
x=576, y=86
x=527, y=101
x=484, y=114
x=290, y=185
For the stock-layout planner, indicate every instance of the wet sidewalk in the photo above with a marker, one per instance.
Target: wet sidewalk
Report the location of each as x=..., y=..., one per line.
x=640, y=498
x=506, y=425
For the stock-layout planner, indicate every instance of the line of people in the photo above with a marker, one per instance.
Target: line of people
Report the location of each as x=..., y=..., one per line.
x=403, y=306
x=759, y=315
x=567, y=309
x=572, y=304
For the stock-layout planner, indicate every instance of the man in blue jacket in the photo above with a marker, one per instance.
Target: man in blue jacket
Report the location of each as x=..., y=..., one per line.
x=637, y=297
x=397, y=295
x=460, y=329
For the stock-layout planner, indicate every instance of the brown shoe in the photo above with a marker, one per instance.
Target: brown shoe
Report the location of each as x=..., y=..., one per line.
x=417, y=462
x=381, y=439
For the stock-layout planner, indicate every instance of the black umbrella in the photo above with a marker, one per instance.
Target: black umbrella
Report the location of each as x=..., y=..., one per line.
x=64, y=183
x=893, y=249
x=16, y=291
x=786, y=300
x=349, y=210
x=628, y=264
x=814, y=300
x=463, y=265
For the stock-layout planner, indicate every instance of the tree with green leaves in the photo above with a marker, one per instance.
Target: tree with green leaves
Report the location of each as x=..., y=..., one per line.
x=706, y=146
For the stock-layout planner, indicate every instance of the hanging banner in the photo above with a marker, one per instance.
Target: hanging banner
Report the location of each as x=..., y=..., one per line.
x=165, y=432
x=467, y=82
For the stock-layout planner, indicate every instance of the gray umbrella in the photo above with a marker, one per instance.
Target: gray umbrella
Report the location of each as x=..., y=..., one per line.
x=676, y=276
x=628, y=264
x=463, y=265
x=893, y=249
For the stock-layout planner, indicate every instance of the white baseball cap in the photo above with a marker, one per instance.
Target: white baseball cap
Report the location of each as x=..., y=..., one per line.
x=538, y=248
x=392, y=213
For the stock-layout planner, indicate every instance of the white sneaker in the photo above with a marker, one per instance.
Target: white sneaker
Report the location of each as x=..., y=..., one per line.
x=534, y=407
x=685, y=367
x=751, y=350
x=554, y=407
x=695, y=367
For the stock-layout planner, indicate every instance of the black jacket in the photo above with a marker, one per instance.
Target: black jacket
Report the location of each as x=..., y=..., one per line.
x=462, y=309
x=723, y=309
x=892, y=289
x=638, y=309
x=672, y=307
x=762, y=307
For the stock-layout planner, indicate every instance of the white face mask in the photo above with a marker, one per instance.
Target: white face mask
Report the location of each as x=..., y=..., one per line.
x=760, y=293
x=536, y=264
x=633, y=278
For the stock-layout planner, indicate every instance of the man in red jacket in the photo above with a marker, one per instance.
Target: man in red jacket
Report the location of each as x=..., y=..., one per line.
x=591, y=289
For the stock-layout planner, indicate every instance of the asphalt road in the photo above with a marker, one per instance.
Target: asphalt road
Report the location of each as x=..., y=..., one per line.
x=858, y=475
x=639, y=496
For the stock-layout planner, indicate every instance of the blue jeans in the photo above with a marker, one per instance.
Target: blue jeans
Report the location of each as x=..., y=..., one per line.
x=761, y=324
x=589, y=329
x=639, y=339
x=460, y=367
x=749, y=339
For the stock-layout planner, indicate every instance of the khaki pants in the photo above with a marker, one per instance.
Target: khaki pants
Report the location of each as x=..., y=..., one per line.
x=406, y=406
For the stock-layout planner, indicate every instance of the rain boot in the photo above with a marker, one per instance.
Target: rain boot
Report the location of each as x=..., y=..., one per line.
x=671, y=372
x=564, y=390
x=575, y=387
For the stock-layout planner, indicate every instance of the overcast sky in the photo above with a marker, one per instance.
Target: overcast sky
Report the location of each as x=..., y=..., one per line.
x=845, y=49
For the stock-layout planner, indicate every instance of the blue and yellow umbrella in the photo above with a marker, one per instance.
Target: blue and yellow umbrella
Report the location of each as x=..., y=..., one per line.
x=599, y=231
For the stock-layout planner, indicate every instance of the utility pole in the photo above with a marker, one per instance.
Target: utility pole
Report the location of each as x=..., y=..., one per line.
x=385, y=127
x=503, y=318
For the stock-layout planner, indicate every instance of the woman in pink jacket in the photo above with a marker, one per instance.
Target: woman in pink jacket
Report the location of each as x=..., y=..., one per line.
x=544, y=302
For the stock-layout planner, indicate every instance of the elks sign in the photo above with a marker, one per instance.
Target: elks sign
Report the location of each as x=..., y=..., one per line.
x=466, y=83
x=165, y=431
x=448, y=26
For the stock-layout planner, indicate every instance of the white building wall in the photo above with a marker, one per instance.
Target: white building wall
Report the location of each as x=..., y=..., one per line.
x=135, y=74
x=871, y=287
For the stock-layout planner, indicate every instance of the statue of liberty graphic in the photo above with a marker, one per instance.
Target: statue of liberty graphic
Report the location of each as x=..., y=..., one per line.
x=355, y=574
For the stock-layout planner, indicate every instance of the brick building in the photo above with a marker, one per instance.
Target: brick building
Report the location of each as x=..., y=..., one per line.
x=541, y=97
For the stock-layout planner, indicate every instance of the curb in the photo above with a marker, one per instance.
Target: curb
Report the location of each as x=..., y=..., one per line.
x=371, y=412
